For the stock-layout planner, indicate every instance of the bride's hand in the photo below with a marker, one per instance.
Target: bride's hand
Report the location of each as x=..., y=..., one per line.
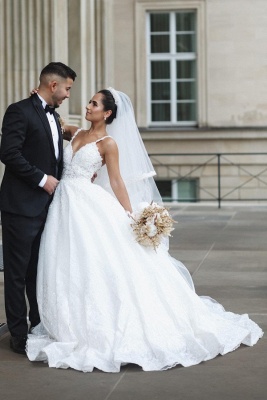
x=129, y=214
x=33, y=91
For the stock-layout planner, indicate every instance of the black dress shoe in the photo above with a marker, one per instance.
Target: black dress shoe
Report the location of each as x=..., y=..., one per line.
x=18, y=344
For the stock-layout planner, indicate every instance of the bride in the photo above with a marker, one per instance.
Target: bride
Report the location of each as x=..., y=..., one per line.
x=104, y=299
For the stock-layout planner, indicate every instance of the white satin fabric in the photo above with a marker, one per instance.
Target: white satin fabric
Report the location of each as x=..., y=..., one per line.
x=105, y=300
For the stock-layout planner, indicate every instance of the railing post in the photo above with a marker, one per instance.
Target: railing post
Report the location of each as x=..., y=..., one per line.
x=219, y=180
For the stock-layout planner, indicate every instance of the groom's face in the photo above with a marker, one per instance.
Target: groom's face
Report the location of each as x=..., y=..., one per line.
x=61, y=90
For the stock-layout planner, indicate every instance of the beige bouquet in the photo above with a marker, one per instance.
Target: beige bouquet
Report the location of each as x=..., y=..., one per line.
x=151, y=224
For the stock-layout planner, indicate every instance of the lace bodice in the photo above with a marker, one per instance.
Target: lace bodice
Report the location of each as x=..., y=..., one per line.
x=84, y=162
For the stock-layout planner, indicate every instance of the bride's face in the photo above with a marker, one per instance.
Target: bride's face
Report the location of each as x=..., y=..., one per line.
x=95, y=109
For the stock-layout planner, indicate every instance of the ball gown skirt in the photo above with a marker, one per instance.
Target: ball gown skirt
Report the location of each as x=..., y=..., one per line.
x=106, y=301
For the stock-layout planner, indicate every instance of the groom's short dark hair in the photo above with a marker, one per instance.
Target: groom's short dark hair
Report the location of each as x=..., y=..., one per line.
x=60, y=69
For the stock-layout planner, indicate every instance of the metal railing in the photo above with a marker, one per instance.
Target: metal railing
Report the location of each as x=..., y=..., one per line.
x=257, y=162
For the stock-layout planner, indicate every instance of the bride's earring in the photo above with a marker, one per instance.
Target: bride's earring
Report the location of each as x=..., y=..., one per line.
x=105, y=118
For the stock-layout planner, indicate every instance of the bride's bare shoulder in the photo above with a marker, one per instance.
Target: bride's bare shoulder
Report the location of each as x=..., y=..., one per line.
x=109, y=144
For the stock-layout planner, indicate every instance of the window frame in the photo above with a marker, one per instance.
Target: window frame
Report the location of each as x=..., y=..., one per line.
x=172, y=56
x=174, y=188
x=142, y=105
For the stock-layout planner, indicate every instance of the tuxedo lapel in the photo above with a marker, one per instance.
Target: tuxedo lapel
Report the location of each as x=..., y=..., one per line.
x=60, y=138
x=40, y=111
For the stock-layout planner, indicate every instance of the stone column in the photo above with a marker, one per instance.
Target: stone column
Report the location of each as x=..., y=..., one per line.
x=26, y=46
x=104, y=58
x=59, y=38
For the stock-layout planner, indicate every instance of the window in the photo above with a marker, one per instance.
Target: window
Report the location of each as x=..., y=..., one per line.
x=183, y=190
x=172, y=68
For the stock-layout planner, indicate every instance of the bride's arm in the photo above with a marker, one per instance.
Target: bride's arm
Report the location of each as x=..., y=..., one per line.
x=111, y=155
x=68, y=131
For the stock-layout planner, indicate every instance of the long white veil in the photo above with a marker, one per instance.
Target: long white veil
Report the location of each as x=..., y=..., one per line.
x=135, y=166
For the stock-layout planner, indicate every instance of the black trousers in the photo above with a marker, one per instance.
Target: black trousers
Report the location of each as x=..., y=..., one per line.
x=21, y=241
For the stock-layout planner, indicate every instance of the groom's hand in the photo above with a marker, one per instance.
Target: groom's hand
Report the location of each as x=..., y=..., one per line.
x=93, y=177
x=51, y=184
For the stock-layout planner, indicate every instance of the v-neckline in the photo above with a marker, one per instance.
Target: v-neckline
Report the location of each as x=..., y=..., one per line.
x=73, y=154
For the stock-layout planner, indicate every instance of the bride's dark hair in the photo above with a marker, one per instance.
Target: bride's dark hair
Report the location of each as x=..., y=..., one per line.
x=109, y=104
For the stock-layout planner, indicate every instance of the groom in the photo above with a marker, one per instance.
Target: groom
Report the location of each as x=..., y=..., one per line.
x=32, y=151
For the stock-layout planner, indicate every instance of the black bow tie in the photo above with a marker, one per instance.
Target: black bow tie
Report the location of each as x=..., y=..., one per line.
x=49, y=109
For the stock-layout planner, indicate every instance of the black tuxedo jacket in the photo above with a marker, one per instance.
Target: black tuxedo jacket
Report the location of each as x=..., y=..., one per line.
x=28, y=153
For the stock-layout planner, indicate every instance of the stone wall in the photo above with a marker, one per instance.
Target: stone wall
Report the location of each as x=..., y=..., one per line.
x=104, y=41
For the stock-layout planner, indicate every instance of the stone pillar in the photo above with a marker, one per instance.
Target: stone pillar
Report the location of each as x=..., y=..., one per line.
x=59, y=38
x=36, y=32
x=90, y=39
x=83, y=44
x=104, y=44
x=26, y=46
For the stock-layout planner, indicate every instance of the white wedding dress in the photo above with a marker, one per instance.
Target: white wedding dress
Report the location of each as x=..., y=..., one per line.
x=106, y=301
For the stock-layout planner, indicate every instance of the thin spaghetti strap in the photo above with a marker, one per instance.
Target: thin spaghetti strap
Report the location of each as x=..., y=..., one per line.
x=103, y=138
x=76, y=133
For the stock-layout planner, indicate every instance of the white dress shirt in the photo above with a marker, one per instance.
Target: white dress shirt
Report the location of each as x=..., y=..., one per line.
x=54, y=130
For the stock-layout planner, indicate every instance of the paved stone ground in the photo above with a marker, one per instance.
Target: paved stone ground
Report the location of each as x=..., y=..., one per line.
x=226, y=252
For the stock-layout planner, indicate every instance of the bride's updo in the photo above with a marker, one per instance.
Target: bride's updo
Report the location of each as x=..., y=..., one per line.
x=109, y=104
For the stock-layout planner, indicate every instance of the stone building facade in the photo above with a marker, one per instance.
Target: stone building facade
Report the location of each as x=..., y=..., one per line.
x=195, y=70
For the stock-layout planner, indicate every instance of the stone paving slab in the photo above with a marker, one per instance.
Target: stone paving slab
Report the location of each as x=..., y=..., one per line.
x=226, y=252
